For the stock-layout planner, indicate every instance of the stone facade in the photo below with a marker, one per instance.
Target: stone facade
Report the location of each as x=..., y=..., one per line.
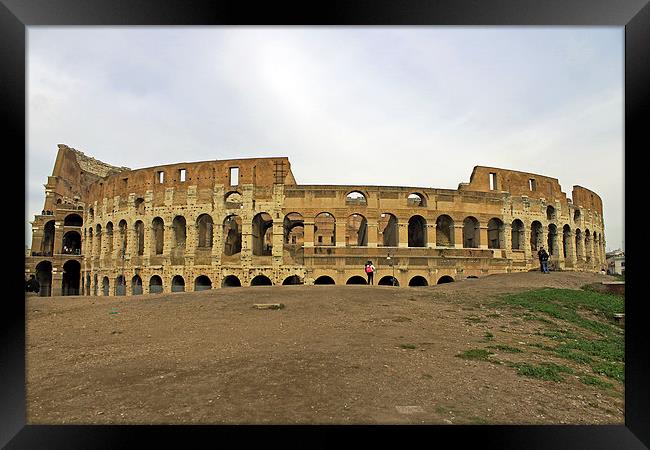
x=189, y=226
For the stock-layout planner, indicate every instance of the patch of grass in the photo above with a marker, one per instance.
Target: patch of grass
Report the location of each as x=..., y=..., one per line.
x=474, y=319
x=595, y=381
x=506, y=348
x=427, y=375
x=493, y=315
x=612, y=370
x=487, y=337
x=578, y=357
x=543, y=371
x=409, y=346
x=475, y=353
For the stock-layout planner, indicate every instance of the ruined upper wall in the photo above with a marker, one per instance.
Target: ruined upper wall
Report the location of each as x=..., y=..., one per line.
x=584, y=198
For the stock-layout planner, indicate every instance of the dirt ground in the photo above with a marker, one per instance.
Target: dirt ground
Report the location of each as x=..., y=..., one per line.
x=332, y=355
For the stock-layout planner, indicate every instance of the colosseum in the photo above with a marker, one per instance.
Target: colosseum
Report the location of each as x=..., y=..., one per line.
x=108, y=230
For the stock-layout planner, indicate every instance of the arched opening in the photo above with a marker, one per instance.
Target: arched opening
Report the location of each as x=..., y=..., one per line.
x=566, y=240
x=496, y=237
x=417, y=232
x=262, y=234
x=73, y=220
x=324, y=229
x=158, y=234
x=445, y=279
x=579, y=244
x=47, y=244
x=98, y=238
x=418, y=281
x=204, y=228
x=139, y=236
x=293, y=279
x=231, y=281
x=105, y=286
x=536, y=239
x=356, y=280
x=388, y=234
x=109, y=239
x=95, y=285
x=388, y=280
x=91, y=214
x=518, y=236
x=550, y=213
x=576, y=216
x=294, y=229
x=551, y=239
x=356, y=230
x=233, y=200
x=444, y=231
x=416, y=199
x=324, y=279
x=71, y=244
x=120, y=285
x=261, y=280
x=86, y=288
x=587, y=245
x=179, y=227
x=178, y=284
x=471, y=235
x=202, y=283
x=232, y=228
x=136, y=285
x=356, y=198
x=139, y=206
x=44, y=278
x=71, y=277
x=155, y=285
x=123, y=238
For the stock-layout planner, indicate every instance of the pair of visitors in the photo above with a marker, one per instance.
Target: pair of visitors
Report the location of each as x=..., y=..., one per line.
x=370, y=271
x=32, y=285
x=543, y=260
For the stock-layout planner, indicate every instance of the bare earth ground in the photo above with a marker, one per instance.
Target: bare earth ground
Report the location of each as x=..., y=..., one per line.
x=334, y=354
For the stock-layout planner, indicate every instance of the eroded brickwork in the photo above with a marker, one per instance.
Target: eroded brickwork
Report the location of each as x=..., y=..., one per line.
x=115, y=231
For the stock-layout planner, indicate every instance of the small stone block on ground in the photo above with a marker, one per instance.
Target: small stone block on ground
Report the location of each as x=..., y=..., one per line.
x=268, y=305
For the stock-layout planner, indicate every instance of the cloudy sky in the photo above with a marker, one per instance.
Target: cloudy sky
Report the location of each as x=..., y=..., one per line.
x=402, y=106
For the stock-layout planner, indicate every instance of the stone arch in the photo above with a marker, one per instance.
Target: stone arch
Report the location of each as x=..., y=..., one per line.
x=577, y=214
x=136, y=285
x=294, y=229
x=471, y=234
x=232, y=235
x=179, y=227
x=71, y=243
x=109, y=238
x=566, y=240
x=98, y=238
x=261, y=280
x=105, y=286
x=139, y=206
x=155, y=285
x=158, y=235
x=418, y=281
x=233, y=200
x=356, y=198
x=73, y=220
x=324, y=279
x=47, y=244
x=262, y=234
x=71, y=277
x=44, y=278
x=356, y=279
x=202, y=283
x=356, y=230
x=120, y=285
x=388, y=280
x=417, y=231
x=204, y=231
x=91, y=214
x=231, y=281
x=416, y=199
x=496, y=235
x=444, y=231
x=588, y=245
x=551, y=214
x=95, y=285
x=139, y=237
x=178, y=284
x=551, y=239
x=387, y=230
x=122, y=226
x=445, y=279
x=579, y=244
x=518, y=235
x=324, y=229
x=536, y=237
x=291, y=280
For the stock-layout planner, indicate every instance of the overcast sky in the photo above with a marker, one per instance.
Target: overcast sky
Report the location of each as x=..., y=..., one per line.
x=399, y=106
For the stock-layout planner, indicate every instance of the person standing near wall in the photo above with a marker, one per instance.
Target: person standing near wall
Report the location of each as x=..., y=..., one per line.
x=543, y=260
x=370, y=271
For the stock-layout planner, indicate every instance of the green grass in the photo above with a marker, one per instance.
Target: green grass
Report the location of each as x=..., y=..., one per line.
x=487, y=337
x=409, y=346
x=475, y=319
x=476, y=353
x=595, y=381
x=505, y=348
x=543, y=371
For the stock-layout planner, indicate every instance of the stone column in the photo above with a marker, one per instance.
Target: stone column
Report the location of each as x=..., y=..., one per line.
x=507, y=237
x=403, y=233
x=58, y=238
x=278, y=241
x=246, y=240
x=528, y=252
x=339, y=226
x=373, y=225
x=458, y=235
x=431, y=235
x=483, y=237
x=309, y=233
x=57, y=281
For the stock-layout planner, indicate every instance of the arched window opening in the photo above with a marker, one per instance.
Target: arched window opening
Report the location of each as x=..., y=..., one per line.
x=178, y=284
x=588, y=245
x=261, y=280
x=294, y=229
x=418, y=281
x=550, y=213
x=155, y=285
x=324, y=279
x=158, y=234
x=579, y=244
x=139, y=206
x=120, y=285
x=204, y=228
x=73, y=220
x=417, y=232
x=44, y=278
x=91, y=214
x=324, y=229
x=71, y=277
x=444, y=231
x=292, y=280
x=233, y=200
x=388, y=234
x=180, y=232
x=536, y=238
x=356, y=230
x=139, y=236
x=105, y=286
x=471, y=235
x=136, y=285
x=518, y=236
x=576, y=216
x=47, y=245
x=123, y=238
x=551, y=240
x=356, y=198
x=416, y=200
x=202, y=283
x=232, y=239
x=388, y=280
x=566, y=240
x=262, y=234
x=496, y=238
x=71, y=244
x=356, y=280
x=445, y=279
x=109, y=239
x=98, y=238
x=231, y=281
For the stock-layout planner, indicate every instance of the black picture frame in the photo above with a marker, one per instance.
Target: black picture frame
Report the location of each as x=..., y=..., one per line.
x=634, y=15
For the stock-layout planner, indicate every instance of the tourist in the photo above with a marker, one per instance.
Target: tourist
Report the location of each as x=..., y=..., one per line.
x=543, y=260
x=370, y=270
x=32, y=285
